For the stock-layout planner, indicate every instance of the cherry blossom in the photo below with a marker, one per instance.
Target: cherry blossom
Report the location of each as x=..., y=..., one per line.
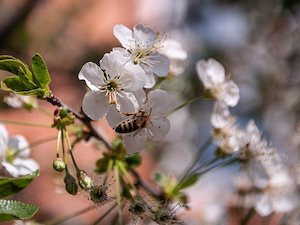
x=176, y=54
x=14, y=155
x=141, y=47
x=111, y=83
x=212, y=75
x=17, y=101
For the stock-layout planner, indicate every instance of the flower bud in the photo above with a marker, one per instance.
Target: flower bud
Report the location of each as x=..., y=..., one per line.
x=59, y=165
x=71, y=185
x=85, y=182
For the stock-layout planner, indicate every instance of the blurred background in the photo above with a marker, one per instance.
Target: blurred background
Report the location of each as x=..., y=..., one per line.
x=256, y=41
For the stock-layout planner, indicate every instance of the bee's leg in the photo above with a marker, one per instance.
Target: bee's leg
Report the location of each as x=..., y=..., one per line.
x=129, y=114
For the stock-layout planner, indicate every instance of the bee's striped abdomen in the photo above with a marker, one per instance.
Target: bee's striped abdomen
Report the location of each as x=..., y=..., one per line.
x=127, y=126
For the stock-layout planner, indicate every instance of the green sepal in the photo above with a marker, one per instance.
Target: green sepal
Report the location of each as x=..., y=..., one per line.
x=9, y=186
x=133, y=160
x=41, y=76
x=15, y=210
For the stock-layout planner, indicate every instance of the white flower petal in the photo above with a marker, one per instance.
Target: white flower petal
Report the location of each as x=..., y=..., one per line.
x=127, y=102
x=19, y=143
x=114, y=117
x=251, y=128
x=158, y=102
x=135, y=143
x=134, y=77
x=124, y=35
x=21, y=167
x=231, y=94
x=150, y=79
x=92, y=75
x=173, y=50
x=158, y=128
x=144, y=36
x=3, y=140
x=95, y=105
x=140, y=96
x=111, y=64
x=284, y=202
x=210, y=72
x=263, y=206
x=162, y=67
x=221, y=116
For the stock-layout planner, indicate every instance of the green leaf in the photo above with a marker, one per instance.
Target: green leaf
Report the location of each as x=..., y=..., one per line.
x=102, y=165
x=12, y=83
x=15, y=210
x=9, y=186
x=40, y=72
x=2, y=57
x=15, y=66
x=133, y=160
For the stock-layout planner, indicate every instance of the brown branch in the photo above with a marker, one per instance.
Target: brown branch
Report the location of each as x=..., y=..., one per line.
x=80, y=116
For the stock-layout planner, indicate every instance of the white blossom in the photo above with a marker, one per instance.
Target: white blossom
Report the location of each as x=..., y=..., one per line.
x=113, y=83
x=141, y=47
x=176, y=54
x=212, y=75
x=221, y=116
x=14, y=155
x=18, y=101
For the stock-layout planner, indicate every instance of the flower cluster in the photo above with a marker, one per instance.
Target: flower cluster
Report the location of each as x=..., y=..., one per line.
x=14, y=155
x=120, y=85
x=265, y=182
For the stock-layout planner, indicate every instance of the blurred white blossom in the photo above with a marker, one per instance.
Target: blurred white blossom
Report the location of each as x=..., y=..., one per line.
x=18, y=101
x=141, y=47
x=212, y=75
x=176, y=54
x=14, y=155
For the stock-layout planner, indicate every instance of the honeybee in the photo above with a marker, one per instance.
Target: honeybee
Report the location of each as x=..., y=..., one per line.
x=137, y=122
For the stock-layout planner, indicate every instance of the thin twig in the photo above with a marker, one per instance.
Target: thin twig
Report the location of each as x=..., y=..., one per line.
x=105, y=214
x=70, y=216
x=83, y=118
x=248, y=216
x=147, y=187
x=196, y=158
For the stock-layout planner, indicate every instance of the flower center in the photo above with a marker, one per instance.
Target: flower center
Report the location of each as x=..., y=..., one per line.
x=138, y=55
x=111, y=87
x=11, y=155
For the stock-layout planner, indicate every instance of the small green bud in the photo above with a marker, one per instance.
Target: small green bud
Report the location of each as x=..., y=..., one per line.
x=63, y=118
x=59, y=165
x=63, y=112
x=71, y=185
x=85, y=182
